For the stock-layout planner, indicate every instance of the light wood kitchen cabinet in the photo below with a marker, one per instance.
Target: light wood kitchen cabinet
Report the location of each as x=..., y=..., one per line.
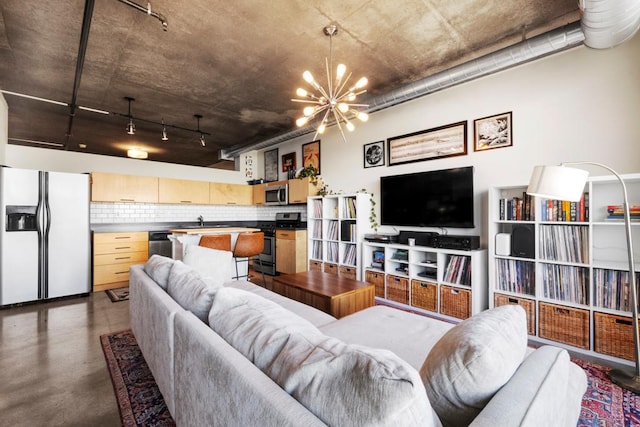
x=291, y=251
x=108, y=187
x=183, y=191
x=113, y=254
x=221, y=193
x=300, y=189
x=258, y=194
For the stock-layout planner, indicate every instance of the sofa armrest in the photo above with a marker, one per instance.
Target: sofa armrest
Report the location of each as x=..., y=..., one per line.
x=216, y=385
x=546, y=389
x=152, y=311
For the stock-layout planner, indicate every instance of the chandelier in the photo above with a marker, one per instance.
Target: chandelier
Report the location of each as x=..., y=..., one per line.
x=337, y=101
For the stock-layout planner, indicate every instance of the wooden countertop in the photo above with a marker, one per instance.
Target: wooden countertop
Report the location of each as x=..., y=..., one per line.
x=214, y=230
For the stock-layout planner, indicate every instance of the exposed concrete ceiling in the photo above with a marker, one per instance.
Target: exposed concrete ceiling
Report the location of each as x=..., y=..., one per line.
x=237, y=63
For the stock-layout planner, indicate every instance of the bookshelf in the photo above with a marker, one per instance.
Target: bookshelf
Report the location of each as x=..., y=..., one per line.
x=574, y=285
x=446, y=283
x=336, y=227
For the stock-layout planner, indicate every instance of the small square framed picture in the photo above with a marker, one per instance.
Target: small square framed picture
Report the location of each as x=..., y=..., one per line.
x=374, y=154
x=492, y=132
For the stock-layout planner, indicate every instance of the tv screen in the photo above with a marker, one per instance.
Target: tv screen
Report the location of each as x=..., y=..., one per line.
x=442, y=198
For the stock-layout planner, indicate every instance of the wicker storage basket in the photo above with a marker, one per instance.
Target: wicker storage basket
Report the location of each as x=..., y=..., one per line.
x=424, y=295
x=564, y=324
x=398, y=289
x=330, y=268
x=377, y=279
x=315, y=265
x=348, y=272
x=528, y=305
x=613, y=335
x=455, y=302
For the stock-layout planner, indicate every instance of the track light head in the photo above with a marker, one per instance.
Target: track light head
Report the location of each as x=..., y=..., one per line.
x=164, y=132
x=202, y=140
x=131, y=128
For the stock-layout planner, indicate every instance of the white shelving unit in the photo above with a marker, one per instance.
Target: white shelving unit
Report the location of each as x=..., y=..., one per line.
x=336, y=227
x=448, y=283
x=573, y=285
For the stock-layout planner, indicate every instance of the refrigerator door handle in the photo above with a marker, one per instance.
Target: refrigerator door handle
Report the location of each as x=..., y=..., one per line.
x=47, y=227
x=39, y=229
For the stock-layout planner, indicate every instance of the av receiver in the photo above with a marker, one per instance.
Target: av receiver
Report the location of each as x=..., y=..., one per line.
x=464, y=243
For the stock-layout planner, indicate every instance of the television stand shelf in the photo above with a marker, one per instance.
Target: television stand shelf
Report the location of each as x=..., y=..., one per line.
x=447, y=283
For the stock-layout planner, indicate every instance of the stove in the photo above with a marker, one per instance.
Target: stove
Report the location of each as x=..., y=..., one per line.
x=286, y=220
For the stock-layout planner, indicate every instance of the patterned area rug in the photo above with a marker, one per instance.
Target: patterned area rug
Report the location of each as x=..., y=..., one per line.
x=117, y=295
x=139, y=400
x=603, y=405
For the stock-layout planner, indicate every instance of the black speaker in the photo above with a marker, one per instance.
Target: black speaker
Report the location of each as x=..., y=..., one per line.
x=522, y=241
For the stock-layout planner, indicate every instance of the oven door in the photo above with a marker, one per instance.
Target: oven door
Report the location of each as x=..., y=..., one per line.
x=268, y=254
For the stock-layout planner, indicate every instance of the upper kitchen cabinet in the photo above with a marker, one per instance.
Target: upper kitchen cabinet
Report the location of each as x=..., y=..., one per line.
x=230, y=194
x=301, y=188
x=183, y=191
x=258, y=194
x=107, y=187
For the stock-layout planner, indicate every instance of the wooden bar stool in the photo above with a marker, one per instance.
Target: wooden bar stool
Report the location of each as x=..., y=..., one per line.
x=248, y=246
x=216, y=241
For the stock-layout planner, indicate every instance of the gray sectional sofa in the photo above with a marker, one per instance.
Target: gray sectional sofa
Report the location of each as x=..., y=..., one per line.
x=231, y=353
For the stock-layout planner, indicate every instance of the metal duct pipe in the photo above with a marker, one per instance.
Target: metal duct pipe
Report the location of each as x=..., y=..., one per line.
x=607, y=23
x=537, y=47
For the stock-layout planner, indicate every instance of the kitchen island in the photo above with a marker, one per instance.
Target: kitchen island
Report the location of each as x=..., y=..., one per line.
x=181, y=237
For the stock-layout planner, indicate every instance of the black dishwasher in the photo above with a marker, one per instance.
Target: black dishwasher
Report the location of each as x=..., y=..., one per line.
x=159, y=243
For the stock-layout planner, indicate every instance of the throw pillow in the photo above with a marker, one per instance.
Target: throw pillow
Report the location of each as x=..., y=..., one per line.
x=192, y=291
x=472, y=361
x=158, y=267
x=212, y=263
x=341, y=384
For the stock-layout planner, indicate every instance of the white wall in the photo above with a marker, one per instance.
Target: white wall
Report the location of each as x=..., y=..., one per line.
x=582, y=104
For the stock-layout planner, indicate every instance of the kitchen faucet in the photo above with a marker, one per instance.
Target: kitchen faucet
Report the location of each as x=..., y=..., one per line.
x=201, y=219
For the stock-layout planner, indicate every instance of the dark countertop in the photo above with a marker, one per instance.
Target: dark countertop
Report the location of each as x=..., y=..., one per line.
x=165, y=226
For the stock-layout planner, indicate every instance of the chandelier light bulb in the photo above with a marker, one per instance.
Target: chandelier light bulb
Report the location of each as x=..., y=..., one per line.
x=321, y=128
x=340, y=71
x=308, y=111
x=301, y=92
x=351, y=96
x=302, y=121
x=361, y=83
x=343, y=107
x=350, y=126
x=308, y=77
x=363, y=117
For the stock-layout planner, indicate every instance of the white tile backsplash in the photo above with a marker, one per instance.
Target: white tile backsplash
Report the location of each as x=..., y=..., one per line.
x=111, y=213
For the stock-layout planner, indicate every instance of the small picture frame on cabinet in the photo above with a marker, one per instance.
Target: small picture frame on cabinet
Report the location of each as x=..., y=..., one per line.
x=374, y=154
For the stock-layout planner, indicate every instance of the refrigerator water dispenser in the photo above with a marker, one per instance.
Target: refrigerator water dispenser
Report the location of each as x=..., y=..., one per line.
x=21, y=218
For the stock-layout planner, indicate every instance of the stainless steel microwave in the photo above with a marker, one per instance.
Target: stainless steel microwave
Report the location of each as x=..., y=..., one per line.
x=276, y=194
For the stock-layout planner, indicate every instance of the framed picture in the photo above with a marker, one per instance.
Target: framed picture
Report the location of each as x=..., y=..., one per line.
x=444, y=141
x=271, y=165
x=374, y=154
x=311, y=154
x=288, y=162
x=492, y=132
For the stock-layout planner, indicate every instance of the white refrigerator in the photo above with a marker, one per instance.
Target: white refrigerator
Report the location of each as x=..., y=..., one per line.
x=44, y=235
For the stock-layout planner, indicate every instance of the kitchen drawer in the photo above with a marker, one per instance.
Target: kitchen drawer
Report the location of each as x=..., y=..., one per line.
x=136, y=236
x=111, y=273
x=120, y=258
x=119, y=247
x=286, y=234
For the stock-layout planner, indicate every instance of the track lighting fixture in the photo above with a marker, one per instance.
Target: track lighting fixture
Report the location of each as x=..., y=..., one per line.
x=131, y=128
x=164, y=132
x=198, y=117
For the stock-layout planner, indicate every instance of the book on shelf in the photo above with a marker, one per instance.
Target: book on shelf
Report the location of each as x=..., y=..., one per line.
x=565, y=211
x=566, y=283
x=515, y=276
x=458, y=270
x=616, y=212
x=349, y=207
x=612, y=289
x=317, y=208
x=516, y=208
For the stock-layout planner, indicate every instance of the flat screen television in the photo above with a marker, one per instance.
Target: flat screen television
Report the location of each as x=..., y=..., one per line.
x=441, y=198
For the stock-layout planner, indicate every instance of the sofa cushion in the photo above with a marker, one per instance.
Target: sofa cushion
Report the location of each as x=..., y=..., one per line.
x=470, y=363
x=341, y=384
x=158, y=267
x=211, y=263
x=192, y=291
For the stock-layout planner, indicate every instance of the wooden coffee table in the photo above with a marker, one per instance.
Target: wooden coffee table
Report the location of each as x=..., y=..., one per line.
x=330, y=293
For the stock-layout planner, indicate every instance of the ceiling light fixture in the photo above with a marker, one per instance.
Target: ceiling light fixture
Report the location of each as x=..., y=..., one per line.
x=198, y=117
x=137, y=153
x=131, y=128
x=164, y=132
x=336, y=99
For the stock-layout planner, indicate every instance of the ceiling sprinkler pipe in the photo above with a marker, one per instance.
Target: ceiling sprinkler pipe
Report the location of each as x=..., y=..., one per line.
x=160, y=17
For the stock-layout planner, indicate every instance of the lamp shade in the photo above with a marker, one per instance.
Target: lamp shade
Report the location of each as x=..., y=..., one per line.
x=557, y=182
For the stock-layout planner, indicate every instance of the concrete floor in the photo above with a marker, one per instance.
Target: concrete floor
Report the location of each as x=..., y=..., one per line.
x=52, y=369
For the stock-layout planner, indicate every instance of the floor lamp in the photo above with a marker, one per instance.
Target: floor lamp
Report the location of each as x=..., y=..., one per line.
x=567, y=183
